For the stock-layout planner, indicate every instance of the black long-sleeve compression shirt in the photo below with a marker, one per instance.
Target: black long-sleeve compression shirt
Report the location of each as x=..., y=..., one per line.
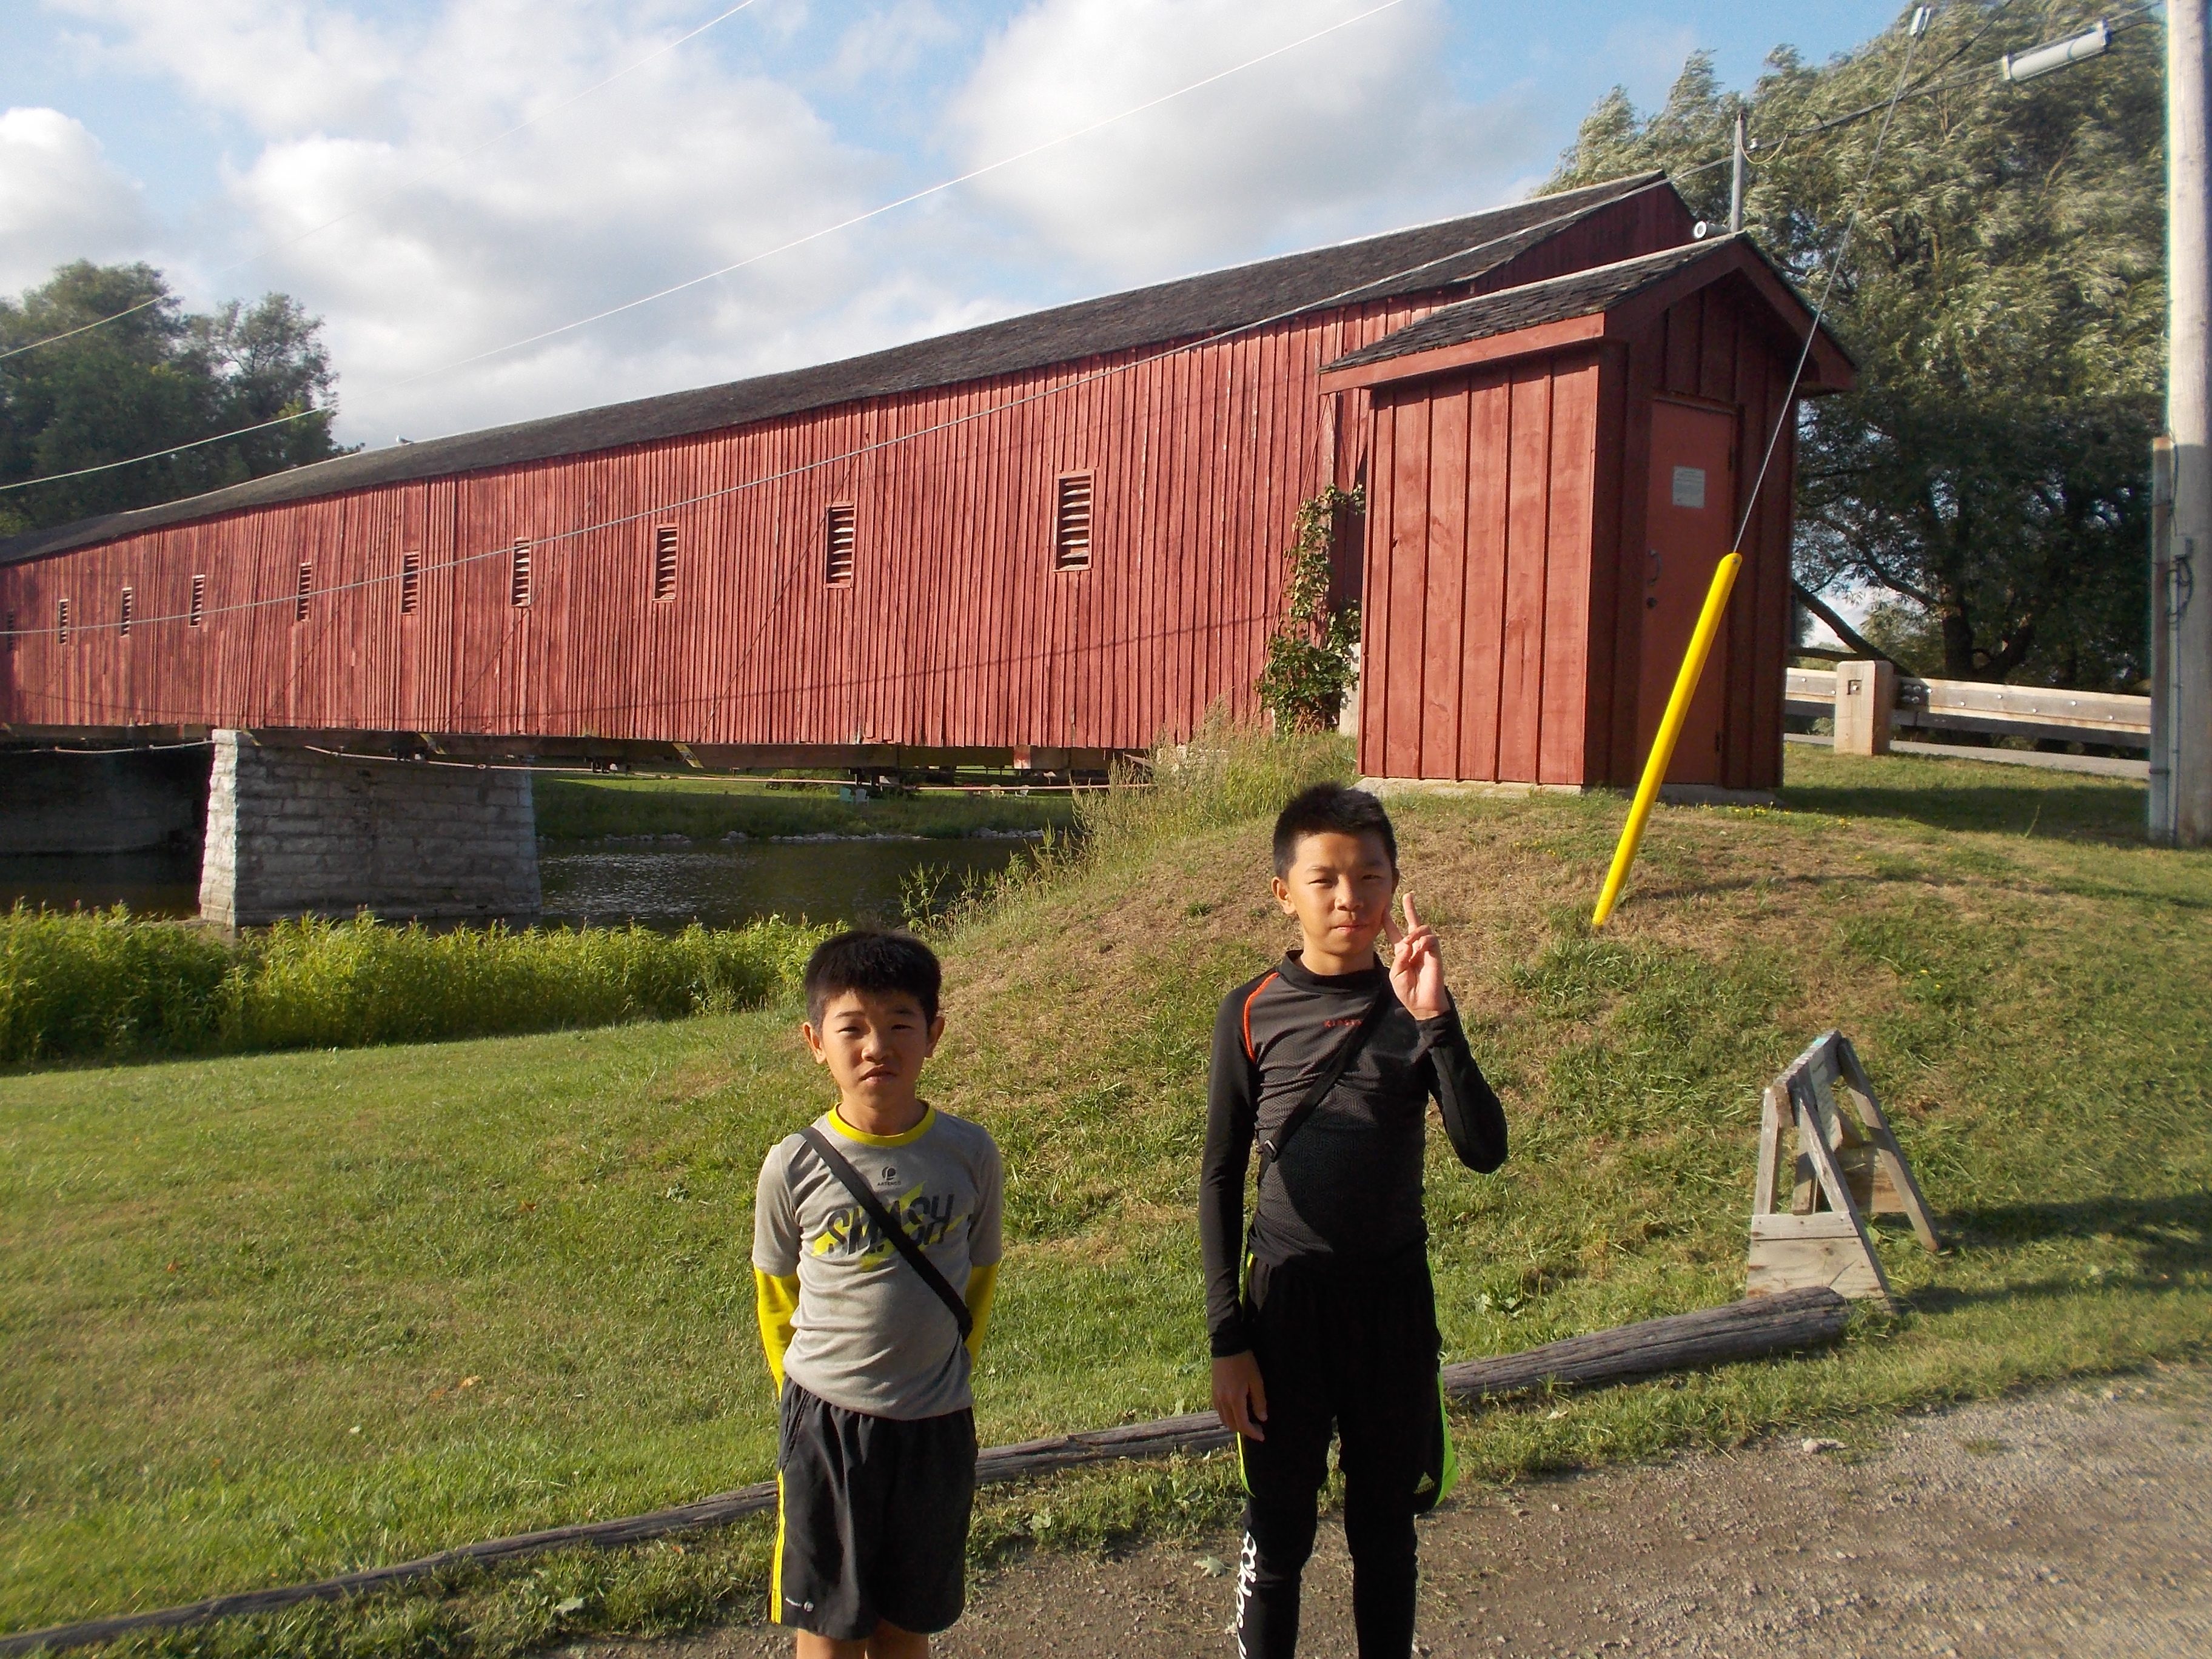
x=1348, y=1186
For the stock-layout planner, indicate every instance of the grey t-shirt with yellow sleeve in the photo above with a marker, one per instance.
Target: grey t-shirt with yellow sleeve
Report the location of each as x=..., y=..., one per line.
x=869, y=1334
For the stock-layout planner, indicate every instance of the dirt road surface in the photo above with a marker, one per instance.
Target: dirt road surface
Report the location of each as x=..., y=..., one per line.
x=2077, y=1521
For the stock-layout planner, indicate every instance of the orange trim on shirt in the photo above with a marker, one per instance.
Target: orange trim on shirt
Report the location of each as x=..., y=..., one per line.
x=1248, y=1052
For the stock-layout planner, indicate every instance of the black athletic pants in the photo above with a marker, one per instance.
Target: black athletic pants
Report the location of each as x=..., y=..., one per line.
x=1354, y=1349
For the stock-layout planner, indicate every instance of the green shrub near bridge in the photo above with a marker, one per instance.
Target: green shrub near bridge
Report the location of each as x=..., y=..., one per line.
x=76, y=984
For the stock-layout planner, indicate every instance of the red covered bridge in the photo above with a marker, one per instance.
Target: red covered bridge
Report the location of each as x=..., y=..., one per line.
x=1040, y=541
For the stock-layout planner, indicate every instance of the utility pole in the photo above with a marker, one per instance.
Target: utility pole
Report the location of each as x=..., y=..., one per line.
x=2182, y=695
x=1736, y=176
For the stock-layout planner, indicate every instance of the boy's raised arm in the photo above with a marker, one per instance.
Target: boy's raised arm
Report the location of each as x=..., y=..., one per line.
x=1230, y=1111
x=1473, y=1117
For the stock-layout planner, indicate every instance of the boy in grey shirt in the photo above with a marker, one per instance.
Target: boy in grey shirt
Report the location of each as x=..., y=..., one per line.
x=870, y=1345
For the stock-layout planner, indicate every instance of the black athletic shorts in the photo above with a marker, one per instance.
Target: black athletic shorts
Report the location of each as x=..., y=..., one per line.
x=871, y=1520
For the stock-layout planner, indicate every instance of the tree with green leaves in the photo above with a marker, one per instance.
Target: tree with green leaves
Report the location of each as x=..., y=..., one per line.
x=154, y=377
x=2003, y=293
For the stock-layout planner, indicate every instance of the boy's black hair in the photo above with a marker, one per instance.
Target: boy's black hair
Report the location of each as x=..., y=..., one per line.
x=1331, y=809
x=875, y=960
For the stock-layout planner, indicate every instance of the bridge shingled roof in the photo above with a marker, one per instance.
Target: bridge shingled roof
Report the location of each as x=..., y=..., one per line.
x=1449, y=253
x=1555, y=299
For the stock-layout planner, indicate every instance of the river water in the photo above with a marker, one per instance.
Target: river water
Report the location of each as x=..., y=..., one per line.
x=660, y=885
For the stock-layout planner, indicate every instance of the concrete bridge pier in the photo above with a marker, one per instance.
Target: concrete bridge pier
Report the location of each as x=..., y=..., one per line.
x=292, y=831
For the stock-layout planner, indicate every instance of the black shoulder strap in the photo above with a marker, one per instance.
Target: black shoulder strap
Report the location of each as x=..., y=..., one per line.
x=834, y=1161
x=1271, y=1149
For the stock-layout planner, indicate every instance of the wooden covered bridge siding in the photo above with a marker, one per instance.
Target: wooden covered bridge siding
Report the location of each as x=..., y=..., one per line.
x=1506, y=541
x=956, y=631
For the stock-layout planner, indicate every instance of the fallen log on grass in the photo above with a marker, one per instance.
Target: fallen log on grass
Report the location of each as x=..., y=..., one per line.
x=1742, y=1330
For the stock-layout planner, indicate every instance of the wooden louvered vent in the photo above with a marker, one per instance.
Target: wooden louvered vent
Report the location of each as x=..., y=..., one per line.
x=410, y=583
x=306, y=586
x=1071, y=533
x=198, y=613
x=518, y=588
x=124, y=614
x=838, y=564
x=61, y=620
x=664, y=563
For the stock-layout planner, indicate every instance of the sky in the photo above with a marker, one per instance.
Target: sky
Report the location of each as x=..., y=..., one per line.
x=364, y=156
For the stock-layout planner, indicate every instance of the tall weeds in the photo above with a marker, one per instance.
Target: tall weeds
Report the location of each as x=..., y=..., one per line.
x=78, y=984
x=1226, y=774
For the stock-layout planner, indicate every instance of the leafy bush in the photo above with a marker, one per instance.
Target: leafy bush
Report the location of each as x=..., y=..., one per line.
x=1313, y=654
x=103, y=983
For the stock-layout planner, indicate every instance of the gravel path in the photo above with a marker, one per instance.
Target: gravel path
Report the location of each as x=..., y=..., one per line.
x=2071, y=1522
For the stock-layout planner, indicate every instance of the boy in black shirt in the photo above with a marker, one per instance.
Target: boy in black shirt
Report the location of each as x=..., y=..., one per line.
x=1329, y=1058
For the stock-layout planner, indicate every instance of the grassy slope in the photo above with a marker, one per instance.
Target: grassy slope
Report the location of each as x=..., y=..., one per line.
x=706, y=809
x=565, y=1217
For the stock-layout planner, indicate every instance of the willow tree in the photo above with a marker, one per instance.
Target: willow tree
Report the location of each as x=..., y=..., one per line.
x=2003, y=293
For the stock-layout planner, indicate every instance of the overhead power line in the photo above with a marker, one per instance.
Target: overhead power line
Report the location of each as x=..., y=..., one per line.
x=1784, y=412
x=2133, y=18
x=404, y=184
x=163, y=454
x=799, y=241
x=904, y=201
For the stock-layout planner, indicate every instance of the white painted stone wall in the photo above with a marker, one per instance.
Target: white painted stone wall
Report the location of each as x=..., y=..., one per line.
x=290, y=832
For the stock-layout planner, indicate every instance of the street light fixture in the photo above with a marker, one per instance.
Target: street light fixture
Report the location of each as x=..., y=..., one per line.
x=2093, y=42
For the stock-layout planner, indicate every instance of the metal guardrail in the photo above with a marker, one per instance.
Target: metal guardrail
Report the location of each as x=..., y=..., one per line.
x=2024, y=711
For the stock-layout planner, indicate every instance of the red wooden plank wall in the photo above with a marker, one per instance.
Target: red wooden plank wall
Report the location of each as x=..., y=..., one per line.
x=1507, y=517
x=1477, y=652
x=954, y=631
x=1722, y=346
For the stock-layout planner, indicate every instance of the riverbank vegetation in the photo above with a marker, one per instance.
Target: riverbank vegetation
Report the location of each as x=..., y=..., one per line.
x=271, y=1316
x=596, y=807
x=101, y=984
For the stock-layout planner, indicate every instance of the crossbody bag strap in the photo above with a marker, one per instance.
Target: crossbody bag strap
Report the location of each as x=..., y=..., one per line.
x=838, y=1165
x=1270, y=1149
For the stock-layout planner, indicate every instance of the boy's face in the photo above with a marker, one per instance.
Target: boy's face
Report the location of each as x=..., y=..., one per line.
x=874, y=1043
x=1339, y=888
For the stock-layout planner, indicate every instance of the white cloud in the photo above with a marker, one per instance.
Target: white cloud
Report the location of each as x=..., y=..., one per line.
x=456, y=239
x=1363, y=116
x=280, y=65
x=59, y=200
x=677, y=168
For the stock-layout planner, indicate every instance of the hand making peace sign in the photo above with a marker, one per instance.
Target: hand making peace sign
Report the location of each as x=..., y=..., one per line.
x=1417, y=966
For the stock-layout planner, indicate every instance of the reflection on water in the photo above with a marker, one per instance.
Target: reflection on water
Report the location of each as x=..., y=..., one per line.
x=663, y=885
x=154, y=883
x=666, y=886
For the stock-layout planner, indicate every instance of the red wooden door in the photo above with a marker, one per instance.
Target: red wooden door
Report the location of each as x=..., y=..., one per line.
x=1687, y=524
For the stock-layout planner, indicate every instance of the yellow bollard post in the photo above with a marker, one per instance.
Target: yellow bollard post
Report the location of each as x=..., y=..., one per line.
x=1670, y=730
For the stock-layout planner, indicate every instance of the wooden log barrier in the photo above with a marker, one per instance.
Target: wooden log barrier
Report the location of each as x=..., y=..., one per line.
x=1742, y=1330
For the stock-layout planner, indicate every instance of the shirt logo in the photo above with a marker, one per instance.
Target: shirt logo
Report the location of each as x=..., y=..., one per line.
x=849, y=1233
x=890, y=1175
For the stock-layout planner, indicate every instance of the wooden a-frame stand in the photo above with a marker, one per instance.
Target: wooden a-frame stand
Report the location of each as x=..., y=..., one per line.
x=1848, y=1167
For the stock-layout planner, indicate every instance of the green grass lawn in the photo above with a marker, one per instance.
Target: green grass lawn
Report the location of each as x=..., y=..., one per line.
x=708, y=808
x=269, y=1317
